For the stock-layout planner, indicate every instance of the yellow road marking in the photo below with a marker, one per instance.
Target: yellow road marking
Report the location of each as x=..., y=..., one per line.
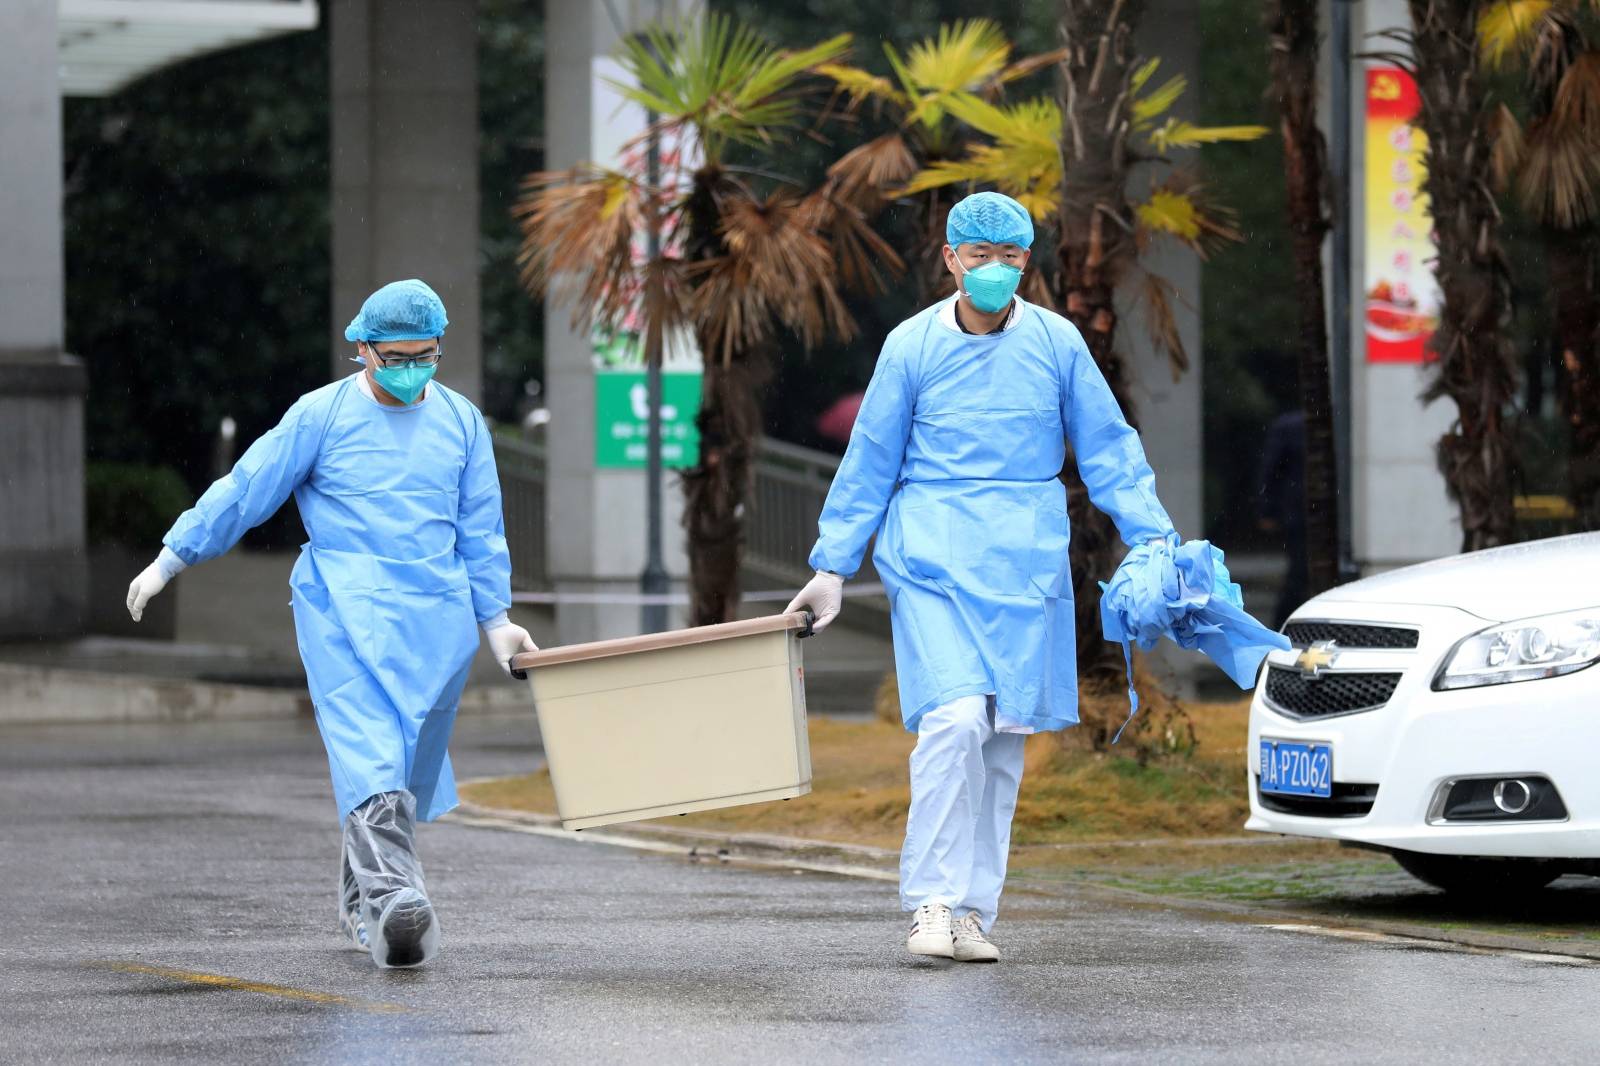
x=239, y=984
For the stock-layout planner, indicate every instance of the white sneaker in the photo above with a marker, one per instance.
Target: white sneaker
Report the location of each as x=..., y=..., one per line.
x=930, y=932
x=970, y=943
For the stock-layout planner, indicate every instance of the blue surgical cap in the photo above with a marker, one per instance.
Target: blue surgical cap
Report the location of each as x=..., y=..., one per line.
x=400, y=311
x=989, y=216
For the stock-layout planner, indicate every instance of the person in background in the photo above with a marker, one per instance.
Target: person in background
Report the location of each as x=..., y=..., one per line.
x=1281, y=492
x=394, y=476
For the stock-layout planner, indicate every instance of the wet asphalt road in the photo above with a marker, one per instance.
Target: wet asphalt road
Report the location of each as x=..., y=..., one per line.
x=166, y=895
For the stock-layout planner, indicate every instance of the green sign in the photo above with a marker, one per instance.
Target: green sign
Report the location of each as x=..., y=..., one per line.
x=622, y=413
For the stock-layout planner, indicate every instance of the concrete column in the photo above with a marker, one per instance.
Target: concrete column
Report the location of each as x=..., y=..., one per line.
x=1168, y=410
x=42, y=582
x=405, y=165
x=597, y=531
x=1401, y=513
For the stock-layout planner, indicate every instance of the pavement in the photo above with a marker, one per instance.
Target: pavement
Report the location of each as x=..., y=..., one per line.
x=168, y=897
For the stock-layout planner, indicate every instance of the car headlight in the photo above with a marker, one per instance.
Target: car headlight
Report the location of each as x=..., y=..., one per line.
x=1547, y=646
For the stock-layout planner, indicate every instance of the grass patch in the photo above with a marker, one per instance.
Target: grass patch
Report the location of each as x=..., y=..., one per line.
x=1070, y=794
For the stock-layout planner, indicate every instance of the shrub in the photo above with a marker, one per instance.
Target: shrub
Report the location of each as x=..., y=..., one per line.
x=132, y=505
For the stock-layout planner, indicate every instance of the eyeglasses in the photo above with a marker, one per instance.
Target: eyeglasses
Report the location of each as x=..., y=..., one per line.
x=395, y=360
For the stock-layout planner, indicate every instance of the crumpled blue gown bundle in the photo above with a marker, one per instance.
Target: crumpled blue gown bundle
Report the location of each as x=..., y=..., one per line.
x=1184, y=591
x=407, y=554
x=955, y=455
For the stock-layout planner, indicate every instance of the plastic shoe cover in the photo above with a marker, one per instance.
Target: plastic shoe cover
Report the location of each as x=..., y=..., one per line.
x=407, y=932
x=380, y=848
x=351, y=927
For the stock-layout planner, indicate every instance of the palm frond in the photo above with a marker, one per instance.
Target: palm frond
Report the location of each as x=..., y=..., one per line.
x=1146, y=109
x=1145, y=72
x=1509, y=26
x=965, y=54
x=1181, y=207
x=1575, y=111
x=776, y=268
x=721, y=78
x=1024, y=67
x=860, y=85
x=1505, y=147
x=977, y=168
x=1157, y=295
x=1180, y=133
x=1169, y=212
x=863, y=257
x=578, y=228
x=1024, y=160
x=870, y=170
x=1560, y=175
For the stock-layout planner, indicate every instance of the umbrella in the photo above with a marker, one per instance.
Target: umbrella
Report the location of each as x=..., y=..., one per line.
x=840, y=418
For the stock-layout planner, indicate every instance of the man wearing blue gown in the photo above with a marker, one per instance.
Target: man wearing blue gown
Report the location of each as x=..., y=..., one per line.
x=953, y=464
x=395, y=480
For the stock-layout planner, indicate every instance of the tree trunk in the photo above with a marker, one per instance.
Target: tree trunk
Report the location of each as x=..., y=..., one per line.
x=715, y=490
x=1476, y=367
x=1095, y=249
x=729, y=422
x=1570, y=255
x=1292, y=25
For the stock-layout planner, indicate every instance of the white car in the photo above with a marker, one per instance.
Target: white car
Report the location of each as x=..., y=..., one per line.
x=1445, y=713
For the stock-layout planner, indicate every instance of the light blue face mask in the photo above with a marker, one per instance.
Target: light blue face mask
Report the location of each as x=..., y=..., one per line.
x=404, y=383
x=990, y=286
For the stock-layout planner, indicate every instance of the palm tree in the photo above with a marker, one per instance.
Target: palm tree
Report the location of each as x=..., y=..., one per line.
x=968, y=58
x=1476, y=367
x=1554, y=160
x=743, y=253
x=1292, y=26
x=1032, y=152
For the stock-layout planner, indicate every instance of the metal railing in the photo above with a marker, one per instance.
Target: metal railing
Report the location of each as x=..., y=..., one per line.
x=522, y=465
x=791, y=484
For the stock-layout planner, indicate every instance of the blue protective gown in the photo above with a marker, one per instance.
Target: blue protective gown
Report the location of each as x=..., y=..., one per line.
x=407, y=553
x=955, y=455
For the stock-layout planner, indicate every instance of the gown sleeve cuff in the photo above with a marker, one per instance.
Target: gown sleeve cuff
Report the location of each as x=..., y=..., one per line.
x=169, y=564
x=501, y=619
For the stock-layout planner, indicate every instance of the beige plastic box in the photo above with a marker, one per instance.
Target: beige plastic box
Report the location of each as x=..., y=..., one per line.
x=670, y=723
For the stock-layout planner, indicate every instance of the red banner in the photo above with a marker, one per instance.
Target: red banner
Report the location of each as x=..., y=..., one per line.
x=1401, y=293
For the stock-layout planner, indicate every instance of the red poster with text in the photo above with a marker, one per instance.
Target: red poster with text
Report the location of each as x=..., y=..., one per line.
x=1401, y=293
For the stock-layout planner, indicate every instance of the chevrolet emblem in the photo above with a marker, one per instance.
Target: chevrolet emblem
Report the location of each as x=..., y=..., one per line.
x=1321, y=654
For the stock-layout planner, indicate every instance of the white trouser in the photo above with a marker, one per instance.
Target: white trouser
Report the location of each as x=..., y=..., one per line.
x=964, y=780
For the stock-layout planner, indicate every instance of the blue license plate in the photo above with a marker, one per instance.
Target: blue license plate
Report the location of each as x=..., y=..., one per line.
x=1289, y=768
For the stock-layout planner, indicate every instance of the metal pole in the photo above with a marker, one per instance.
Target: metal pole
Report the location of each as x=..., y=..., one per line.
x=1340, y=332
x=654, y=581
x=653, y=615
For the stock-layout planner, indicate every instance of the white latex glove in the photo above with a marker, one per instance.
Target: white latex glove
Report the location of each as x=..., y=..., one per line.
x=506, y=641
x=824, y=594
x=150, y=581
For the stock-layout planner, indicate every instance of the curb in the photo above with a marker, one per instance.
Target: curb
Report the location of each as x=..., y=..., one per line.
x=880, y=864
x=49, y=695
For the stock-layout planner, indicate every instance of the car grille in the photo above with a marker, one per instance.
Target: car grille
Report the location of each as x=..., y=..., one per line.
x=1347, y=801
x=1349, y=635
x=1329, y=694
